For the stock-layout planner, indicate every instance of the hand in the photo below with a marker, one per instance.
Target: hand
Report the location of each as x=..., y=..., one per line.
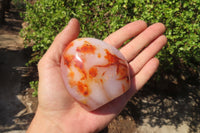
x=59, y=112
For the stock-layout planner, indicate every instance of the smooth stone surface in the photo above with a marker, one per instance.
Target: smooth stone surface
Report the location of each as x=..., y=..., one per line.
x=94, y=72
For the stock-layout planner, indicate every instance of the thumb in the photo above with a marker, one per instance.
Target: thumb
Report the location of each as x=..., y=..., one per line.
x=69, y=33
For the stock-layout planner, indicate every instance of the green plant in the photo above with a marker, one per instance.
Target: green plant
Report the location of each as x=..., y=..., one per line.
x=19, y=4
x=99, y=18
x=34, y=85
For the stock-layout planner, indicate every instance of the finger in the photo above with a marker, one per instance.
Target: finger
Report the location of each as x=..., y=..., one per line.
x=116, y=105
x=143, y=76
x=117, y=38
x=148, y=53
x=138, y=43
x=69, y=33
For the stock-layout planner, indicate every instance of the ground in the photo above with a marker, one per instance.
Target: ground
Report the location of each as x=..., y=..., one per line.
x=160, y=108
x=17, y=106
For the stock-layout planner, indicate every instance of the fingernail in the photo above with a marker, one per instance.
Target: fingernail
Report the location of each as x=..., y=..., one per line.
x=70, y=22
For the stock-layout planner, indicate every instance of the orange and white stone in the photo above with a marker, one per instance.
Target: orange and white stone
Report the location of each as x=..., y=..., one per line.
x=94, y=72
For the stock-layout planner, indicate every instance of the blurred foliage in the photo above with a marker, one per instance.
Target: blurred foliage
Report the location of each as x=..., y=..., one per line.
x=19, y=4
x=99, y=18
x=34, y=85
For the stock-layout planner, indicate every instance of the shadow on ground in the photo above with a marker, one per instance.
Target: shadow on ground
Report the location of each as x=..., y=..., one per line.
x=166, y=103
x=13, y=81
x=13, y=22
x=17, y=106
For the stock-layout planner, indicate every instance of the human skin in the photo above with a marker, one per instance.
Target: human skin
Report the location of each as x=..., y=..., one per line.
x=58, y=112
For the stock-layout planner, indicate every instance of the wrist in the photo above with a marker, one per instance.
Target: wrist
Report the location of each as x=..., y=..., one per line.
x=47, y=122
x=41, y=123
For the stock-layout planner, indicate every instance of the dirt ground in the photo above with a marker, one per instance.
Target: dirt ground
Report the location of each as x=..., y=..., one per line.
x=17, y=106
x=166, y=107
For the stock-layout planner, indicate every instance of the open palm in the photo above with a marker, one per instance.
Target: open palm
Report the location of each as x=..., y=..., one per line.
x=56, y=107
